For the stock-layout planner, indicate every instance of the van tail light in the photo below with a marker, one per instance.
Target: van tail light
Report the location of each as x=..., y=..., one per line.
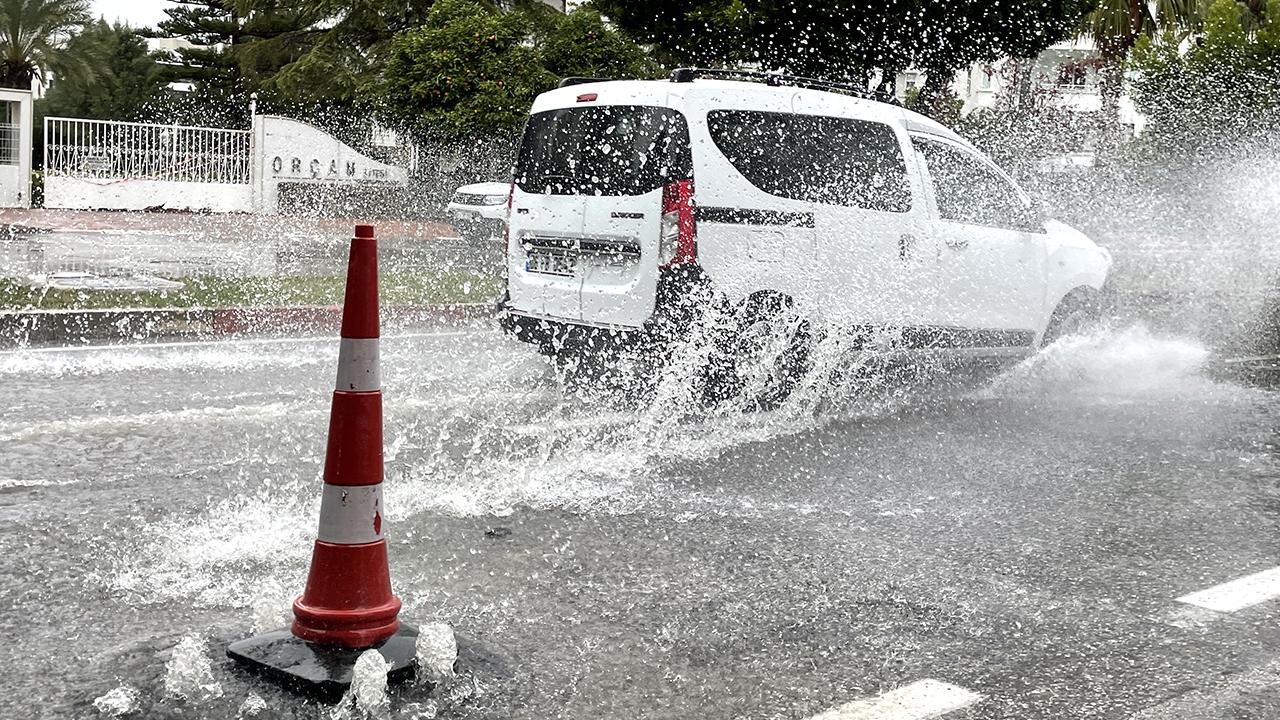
x=679, y=242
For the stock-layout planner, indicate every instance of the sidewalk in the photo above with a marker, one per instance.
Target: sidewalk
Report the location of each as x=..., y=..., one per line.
x=227, y=227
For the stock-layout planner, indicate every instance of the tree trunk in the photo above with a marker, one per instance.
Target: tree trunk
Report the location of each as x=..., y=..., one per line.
x=16, y=75
x=934, y=93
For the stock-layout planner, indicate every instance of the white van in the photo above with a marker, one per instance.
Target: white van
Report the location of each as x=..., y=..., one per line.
x=778, y=192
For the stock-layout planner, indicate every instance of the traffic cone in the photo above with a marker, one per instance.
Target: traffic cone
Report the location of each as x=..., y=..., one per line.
x=347, y=606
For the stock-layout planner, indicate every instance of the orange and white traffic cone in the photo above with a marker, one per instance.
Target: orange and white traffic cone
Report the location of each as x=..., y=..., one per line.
x=348, y=598
x=347, y=606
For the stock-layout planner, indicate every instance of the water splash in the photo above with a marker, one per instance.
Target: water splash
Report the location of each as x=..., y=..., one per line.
x=271, y=604
x=252, y=707
x=118, y=702
x=437, y=651
x=224, y=556
x=428, y=710
x=189, y=673
x=367, y=698
x=1109, y=364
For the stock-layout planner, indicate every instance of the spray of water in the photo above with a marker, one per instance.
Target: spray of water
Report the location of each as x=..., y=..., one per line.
x=367, y=698
x=437, y=651
x=1109, y=364
x=189, y=673
x=118, y=702
x=519, y=434
x=252, y=707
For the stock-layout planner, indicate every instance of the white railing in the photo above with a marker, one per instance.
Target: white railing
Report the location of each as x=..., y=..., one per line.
x=109, y=150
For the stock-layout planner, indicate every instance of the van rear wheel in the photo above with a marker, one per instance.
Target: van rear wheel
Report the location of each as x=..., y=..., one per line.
x=770, y=351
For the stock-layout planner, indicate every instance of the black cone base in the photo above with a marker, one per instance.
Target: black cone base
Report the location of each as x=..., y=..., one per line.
x=323, y=671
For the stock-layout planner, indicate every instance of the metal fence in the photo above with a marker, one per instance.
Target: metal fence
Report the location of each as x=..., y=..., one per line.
x=109, y=150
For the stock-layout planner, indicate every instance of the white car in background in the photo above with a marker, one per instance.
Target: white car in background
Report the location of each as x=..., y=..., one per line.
x=479, y=211
x=637, y=202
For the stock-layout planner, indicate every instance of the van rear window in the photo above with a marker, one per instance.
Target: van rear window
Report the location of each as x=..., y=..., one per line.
x=827, y=160
x=603, y=150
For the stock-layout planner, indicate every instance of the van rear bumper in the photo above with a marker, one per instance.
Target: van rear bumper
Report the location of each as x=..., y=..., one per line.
x=553, y=336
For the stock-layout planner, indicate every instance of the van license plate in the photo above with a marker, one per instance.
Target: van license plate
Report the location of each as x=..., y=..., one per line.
x=552, y=263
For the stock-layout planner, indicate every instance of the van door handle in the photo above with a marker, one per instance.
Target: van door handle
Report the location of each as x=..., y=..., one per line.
x=957, y=243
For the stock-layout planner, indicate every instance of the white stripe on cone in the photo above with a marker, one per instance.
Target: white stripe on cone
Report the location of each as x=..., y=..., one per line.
x=351, y=515
x=358, y=365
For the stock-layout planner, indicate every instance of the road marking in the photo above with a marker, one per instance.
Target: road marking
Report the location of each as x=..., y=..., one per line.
x=1237, y=594
x=206, y=343
x=920, y=700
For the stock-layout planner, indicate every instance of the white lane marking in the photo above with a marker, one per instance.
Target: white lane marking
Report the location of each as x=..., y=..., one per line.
x=207, y=343
x=1237, y=594
x=918, y=701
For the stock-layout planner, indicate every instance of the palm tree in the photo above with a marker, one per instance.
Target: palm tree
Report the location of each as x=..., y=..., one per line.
x=32, y=37
x=1115, y=26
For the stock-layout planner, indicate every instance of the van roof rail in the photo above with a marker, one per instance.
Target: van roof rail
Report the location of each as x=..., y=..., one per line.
x=689, y=74
x=571, y=81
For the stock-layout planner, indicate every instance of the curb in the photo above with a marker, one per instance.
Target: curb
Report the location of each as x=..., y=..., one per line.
x=20, y=328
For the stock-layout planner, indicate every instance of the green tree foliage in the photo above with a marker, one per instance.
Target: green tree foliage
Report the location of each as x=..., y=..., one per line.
x=1116, y=26
x=1223, y=89
x=33, y=35
x=213, y=28
x=709, y=33
x=580, y=44
x=468, y=69
x=846, y=39
x=126, y=84
x=323, y=50
x=471, y=68
x=233, y=52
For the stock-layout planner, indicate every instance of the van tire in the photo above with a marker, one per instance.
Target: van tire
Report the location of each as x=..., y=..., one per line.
x=1079, y=312
x=760, y=317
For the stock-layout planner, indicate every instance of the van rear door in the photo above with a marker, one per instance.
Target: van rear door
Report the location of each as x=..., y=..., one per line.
x=592, y=179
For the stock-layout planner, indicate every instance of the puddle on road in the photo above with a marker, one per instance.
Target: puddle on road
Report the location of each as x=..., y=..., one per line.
x=503, y=434
x=499, y=433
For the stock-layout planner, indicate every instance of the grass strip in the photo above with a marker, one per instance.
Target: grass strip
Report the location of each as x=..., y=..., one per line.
x=289, y=291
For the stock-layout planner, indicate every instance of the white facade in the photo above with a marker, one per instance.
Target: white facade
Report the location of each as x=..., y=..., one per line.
x=15, y=148
x=1066, y=75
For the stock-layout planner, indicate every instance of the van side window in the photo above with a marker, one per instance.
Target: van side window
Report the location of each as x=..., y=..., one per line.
x=968, y=190
x=814, y=158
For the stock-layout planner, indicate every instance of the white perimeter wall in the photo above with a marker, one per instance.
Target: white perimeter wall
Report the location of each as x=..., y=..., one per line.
x=292, y=151
x=84, y=194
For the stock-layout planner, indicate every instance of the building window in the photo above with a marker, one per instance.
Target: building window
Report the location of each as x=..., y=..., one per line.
x=10, y=132
x=986, y=78
x=1073, y=77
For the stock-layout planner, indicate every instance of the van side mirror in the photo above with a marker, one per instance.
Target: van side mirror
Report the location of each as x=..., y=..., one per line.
x=1034, y=216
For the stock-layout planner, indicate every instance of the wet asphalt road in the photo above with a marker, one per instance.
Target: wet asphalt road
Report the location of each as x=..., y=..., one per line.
x=1024, y=538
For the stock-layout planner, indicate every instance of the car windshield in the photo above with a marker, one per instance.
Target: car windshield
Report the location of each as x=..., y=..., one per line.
x=603, y=150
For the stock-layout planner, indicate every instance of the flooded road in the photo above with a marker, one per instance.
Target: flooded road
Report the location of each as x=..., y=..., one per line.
x=1026, y=539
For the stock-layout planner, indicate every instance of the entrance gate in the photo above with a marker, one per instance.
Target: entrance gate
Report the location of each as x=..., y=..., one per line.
x=103, y=164
x=92, y=164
